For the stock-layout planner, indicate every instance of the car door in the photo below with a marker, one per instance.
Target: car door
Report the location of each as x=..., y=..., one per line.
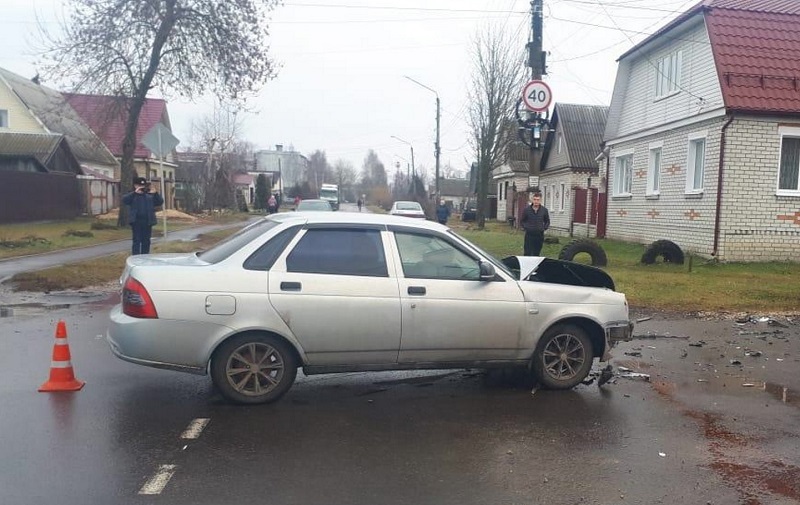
x=334, y=290
x=448, y=313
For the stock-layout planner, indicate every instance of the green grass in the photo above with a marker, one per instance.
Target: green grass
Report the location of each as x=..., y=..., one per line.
x=710, y=286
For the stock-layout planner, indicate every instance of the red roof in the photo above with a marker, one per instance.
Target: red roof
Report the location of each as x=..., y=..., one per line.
x=107, y=116
x=756, y=46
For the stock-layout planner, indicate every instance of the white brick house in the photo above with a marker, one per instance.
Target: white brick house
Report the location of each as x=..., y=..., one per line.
x=703, y=135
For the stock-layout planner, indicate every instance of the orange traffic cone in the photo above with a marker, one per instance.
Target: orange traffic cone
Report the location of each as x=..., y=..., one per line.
x=62, y=377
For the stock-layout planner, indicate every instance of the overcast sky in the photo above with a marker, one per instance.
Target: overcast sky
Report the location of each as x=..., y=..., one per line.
x=341, y=85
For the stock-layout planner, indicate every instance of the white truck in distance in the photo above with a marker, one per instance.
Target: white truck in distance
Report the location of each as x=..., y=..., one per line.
x=330, y=193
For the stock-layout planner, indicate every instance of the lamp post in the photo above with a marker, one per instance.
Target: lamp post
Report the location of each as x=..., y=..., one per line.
x=437, y=149
x=413, y=169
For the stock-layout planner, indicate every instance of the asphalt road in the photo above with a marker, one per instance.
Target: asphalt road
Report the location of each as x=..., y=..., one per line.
x=434, y=437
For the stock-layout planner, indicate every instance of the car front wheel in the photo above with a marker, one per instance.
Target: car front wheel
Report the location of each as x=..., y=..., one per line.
x=563, y=357
x=253, y=368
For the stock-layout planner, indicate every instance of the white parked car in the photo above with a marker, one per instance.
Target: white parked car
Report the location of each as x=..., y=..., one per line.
x=337, y=292
x=407, y=209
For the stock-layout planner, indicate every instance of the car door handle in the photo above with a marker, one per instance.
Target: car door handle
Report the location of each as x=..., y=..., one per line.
x=291, y=286
x=416, y=290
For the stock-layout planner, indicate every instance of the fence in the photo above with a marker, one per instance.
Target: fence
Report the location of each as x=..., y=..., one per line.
x=35, y=196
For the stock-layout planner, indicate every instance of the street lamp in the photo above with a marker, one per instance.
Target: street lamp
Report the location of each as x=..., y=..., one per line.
x=436, y=145
x=413, y=169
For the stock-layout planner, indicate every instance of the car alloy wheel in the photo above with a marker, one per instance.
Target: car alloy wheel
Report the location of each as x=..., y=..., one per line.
x=253, y=368
x=563, y=357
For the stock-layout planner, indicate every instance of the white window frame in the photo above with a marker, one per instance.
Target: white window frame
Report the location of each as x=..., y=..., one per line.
x=563, y=197
x=620, y=179
x=691, y=162
x=791, y=132
x=668, y=74
x=553, y=193
x=4, y=112
x=653, y=171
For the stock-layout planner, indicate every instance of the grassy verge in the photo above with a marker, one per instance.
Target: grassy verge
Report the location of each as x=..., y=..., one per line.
x=101, y=270
x=35, y=238
x=731, y=287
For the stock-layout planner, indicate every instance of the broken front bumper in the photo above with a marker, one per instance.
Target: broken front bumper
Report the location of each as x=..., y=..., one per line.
x=616, y=331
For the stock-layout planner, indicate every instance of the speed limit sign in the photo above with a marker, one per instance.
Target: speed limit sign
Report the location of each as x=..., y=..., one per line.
x=536, y=96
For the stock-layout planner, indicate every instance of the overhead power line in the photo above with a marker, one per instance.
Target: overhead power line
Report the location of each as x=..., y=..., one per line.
x=395, y=8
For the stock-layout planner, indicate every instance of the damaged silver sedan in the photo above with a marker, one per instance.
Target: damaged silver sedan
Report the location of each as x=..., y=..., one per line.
x=352, y=292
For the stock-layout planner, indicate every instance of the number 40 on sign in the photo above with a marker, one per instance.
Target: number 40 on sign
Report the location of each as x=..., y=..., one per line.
x=536, y=95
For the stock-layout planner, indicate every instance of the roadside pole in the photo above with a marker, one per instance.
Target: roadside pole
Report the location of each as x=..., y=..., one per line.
x=163, y=181
x=161, y=141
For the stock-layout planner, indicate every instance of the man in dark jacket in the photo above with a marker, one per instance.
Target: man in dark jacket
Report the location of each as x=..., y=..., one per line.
x=442, y=212
x=535, y=220
x=142, y=203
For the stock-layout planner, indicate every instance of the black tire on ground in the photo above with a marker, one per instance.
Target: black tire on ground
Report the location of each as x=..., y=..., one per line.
x=598, y=255
x=667, y=249
x=563, y=357
x=253, y=368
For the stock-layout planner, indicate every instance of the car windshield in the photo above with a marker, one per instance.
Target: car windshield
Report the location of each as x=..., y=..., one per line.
x=230, y=245
x=497, y=263
x=311, y=205
x=328, y=193
x=408, y=206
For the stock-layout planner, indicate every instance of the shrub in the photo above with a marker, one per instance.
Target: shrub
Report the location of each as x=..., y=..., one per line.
x=78, y=233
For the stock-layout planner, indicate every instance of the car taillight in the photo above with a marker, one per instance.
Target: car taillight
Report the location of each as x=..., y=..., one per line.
x=136, y=301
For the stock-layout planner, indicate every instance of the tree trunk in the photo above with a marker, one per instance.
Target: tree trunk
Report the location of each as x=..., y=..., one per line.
x=483, y=193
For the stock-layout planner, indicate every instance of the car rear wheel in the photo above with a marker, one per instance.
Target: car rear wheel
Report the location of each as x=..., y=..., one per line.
x=253, y=368
x=563, y=357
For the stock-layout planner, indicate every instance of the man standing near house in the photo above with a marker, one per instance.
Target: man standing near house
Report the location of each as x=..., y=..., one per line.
x=535, y=220
x=442, y=212
x=142, y=203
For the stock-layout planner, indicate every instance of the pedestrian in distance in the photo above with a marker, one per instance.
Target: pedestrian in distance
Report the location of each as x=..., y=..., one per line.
x=442, y=212
x=142, y=203
x=360, y=204
x=535, y=220
x=297, y=201
x=272, y=204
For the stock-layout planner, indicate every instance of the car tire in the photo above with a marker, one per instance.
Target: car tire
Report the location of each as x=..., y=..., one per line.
x=668, y=250
x=563, y=357
x=593, y=249
x=253, y=368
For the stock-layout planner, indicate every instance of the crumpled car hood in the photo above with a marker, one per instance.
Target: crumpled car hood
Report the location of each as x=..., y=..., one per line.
x=541, y=269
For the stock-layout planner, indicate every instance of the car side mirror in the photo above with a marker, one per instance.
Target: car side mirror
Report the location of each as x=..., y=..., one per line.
x=488, y=272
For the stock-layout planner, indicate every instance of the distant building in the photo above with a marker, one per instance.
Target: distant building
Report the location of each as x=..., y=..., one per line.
x=285, y=167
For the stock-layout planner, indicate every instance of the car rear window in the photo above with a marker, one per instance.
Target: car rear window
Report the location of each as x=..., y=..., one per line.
x=230, y=245
x=408, y=206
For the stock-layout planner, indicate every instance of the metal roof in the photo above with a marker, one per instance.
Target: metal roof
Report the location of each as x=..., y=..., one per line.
x=37, y=145
x=50, y=107
x=583, y=127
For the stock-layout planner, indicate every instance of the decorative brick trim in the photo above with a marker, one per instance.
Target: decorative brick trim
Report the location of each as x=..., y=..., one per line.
x=794, y=218
x=691, y=214
x=640, y=173
x=674, y=169
x=622, y=212
x=653, y=213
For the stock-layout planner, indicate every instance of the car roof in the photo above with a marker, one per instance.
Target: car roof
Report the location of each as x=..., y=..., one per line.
x=343, y=217
x=313, y=200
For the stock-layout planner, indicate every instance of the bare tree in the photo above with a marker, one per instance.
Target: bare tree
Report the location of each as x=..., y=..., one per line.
x=497, y=78
x=345, y=175
x=189, y=47
x=318, y=170
x=219, y=135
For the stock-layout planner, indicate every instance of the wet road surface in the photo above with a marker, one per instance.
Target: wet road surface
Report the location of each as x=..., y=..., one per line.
x=437, y=437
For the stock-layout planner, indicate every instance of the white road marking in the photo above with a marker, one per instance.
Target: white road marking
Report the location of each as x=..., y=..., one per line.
x=159, y=481
x=195, y=428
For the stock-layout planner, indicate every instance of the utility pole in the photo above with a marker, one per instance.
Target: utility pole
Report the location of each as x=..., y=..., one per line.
x=534, y=125
x=438, y=147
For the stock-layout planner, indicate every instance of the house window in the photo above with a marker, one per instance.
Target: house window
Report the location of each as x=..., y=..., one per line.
x=654, y=170
x=789, y=171
x=3, y=118
x=623, y=175
x=499, y=190
x=668, y=73
x=563, y=195
x=505, y=191
x=553, y=195
x=696, y=163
